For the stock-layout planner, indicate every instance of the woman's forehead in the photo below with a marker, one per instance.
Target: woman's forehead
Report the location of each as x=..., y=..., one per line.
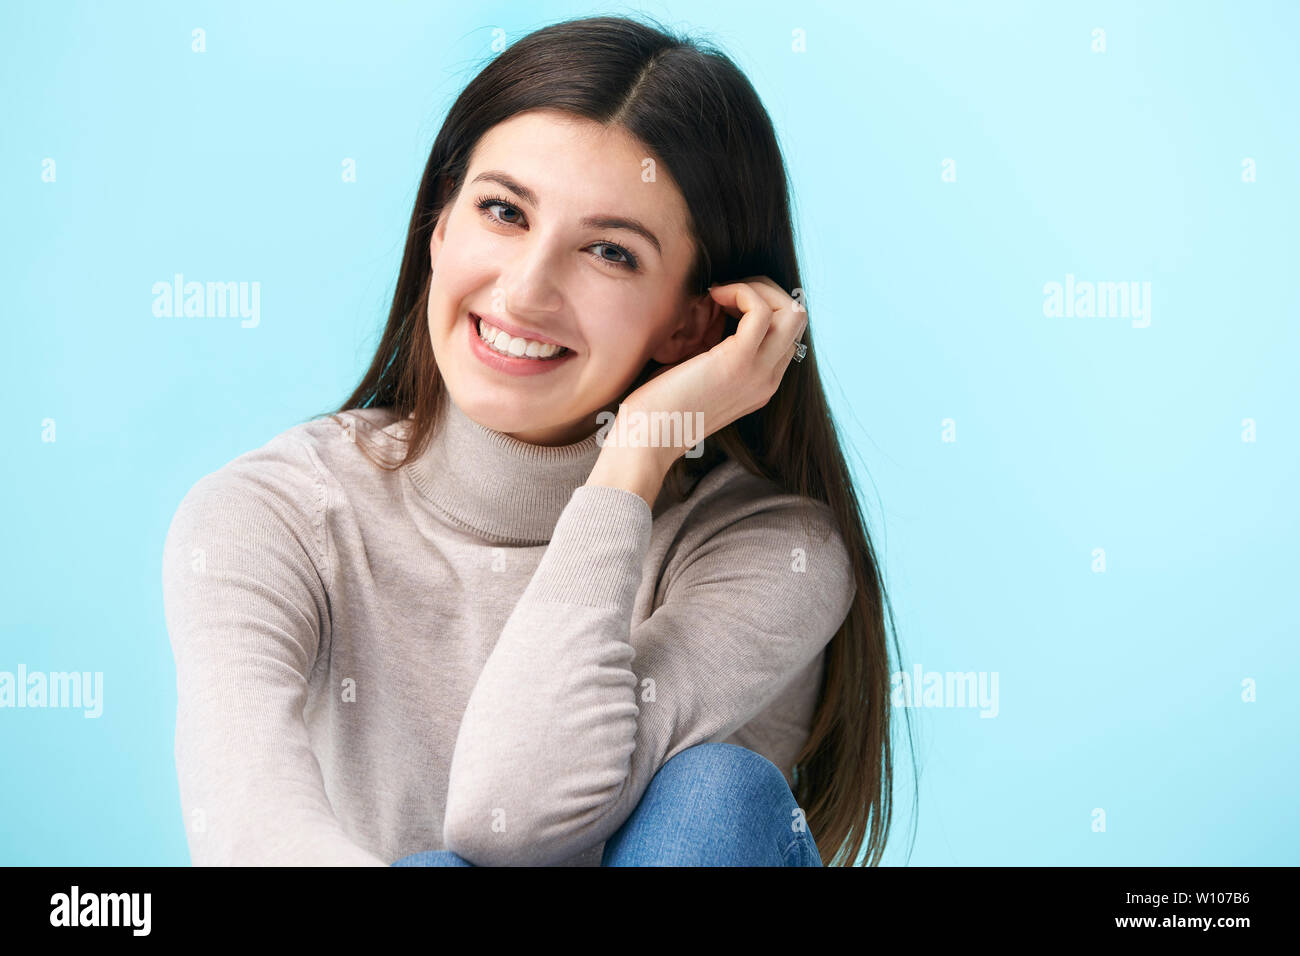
x=581, y=166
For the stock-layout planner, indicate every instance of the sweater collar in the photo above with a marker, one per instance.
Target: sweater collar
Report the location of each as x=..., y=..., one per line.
x=494, y=485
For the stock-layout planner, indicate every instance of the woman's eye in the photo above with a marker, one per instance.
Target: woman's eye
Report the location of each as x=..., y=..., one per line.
x=489, y=203
x=625, y=260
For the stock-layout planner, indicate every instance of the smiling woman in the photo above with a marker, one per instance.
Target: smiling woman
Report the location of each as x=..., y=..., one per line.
x=557, y=221
x=517, y=642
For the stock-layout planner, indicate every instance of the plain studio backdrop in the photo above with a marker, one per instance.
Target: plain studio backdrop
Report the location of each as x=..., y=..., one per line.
x=1090, y=510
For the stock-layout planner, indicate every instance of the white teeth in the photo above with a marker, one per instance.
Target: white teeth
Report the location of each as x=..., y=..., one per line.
x=508, y=344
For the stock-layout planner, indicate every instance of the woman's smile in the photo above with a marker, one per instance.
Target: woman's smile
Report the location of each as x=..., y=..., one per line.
x=514, y=355
x=517, y=234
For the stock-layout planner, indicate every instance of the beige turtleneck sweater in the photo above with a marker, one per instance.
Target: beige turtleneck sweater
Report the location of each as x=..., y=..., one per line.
x=478, y=651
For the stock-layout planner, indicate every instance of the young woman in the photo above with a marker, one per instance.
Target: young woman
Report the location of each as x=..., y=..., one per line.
x=493, y=610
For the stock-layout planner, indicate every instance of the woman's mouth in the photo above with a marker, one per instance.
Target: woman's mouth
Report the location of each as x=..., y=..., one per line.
x=514, y=346
x=511, y=354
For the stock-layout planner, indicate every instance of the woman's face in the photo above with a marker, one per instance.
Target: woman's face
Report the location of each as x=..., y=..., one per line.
x=542, y=243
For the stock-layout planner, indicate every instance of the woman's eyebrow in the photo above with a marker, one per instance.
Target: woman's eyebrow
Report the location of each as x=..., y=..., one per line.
x=591, y=222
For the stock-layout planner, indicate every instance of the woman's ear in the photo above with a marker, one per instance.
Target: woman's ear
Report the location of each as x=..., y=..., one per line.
x=439, y=233
x=436, y=239
x=701, y=326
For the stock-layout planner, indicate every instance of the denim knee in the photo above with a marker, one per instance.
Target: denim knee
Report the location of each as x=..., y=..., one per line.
x=432, y=858
x=715, y=804
x=720, y=758
x=732, y=765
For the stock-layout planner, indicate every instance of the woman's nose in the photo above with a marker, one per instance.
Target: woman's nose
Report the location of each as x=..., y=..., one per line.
x=530, y=283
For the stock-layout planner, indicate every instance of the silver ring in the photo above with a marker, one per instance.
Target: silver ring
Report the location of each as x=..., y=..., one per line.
x=800, y=350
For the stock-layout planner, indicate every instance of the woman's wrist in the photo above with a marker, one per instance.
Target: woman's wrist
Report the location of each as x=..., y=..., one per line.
x=635, y=468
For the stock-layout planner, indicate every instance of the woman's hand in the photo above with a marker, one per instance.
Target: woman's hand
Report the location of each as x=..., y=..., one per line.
x=713, y=389
x=739, y=374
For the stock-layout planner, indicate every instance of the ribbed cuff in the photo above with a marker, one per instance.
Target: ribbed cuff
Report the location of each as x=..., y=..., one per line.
x=597, y=552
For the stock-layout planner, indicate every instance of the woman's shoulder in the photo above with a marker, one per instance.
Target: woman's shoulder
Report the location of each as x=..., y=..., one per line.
x=733, y=511
x=349, y=444
x=778, y=553
x=729, y=493
x=288, y=474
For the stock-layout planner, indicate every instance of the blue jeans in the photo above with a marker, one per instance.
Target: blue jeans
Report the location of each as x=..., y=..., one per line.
x=712, y=804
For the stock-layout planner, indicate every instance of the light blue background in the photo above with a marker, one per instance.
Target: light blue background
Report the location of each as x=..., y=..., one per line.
x=1119, y=690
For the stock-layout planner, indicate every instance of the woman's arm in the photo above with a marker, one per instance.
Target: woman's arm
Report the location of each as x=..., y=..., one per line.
x=575, y=710
x=245, y=605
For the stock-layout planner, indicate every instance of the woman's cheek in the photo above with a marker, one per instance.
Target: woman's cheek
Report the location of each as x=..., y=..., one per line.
x=486, y=262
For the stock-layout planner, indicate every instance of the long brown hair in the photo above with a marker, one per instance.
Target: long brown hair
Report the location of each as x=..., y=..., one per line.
x=699, y=116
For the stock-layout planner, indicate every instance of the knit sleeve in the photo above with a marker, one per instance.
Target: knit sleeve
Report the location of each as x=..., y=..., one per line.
x=245, y=606
x=576, y=710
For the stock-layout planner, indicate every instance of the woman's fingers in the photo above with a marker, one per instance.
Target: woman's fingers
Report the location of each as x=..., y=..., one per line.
x=756, y=317
x=789, y=319
x=778, y=349
x=771, y=324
